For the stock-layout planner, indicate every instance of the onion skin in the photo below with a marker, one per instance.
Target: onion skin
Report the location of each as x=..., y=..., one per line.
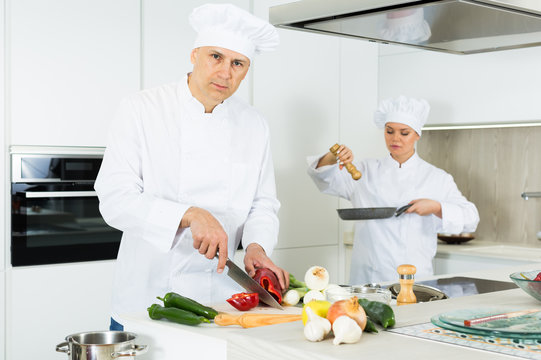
x=350, y=308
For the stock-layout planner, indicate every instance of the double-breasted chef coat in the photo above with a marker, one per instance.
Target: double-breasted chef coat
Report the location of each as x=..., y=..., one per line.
x=164, y=155
x=381, y=245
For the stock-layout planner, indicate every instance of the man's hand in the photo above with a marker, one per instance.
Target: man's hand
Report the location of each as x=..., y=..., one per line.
x=256, y=258
x=425, y=207
x=208, y=234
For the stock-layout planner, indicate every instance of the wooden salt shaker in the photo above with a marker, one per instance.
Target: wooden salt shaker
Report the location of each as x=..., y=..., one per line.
x=355, y=174
x=406, y=295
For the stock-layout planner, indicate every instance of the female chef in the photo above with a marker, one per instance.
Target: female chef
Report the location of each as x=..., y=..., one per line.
x=398, y=179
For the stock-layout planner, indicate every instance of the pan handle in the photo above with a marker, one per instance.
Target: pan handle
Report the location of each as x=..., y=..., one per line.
x=401, y=210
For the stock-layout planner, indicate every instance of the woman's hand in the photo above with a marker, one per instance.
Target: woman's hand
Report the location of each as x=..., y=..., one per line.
x=345, y=156
x=425, y=207
x=256, y=258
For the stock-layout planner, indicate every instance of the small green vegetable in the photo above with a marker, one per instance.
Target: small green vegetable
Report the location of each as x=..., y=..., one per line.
x=157, y=312
x=370, y=327
x=172, y=299
x=379, y=312
x=294, y=283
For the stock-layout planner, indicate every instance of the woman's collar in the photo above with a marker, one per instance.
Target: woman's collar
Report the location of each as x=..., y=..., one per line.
x=411, y=162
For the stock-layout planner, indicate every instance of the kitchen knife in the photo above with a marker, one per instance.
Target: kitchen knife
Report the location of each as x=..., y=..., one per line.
x=244, y=280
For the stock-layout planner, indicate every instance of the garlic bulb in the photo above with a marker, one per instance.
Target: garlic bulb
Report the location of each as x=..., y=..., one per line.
x=317, y=327
x=346, y=330
x=313, y=295
x=316, y=278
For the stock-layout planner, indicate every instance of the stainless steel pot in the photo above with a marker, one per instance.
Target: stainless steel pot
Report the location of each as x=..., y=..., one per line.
x=101, y=345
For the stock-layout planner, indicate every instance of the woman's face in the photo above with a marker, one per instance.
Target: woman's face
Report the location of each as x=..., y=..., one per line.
x=400, y=140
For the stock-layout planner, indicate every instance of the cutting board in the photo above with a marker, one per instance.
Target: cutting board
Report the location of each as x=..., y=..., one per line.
x=260, y=309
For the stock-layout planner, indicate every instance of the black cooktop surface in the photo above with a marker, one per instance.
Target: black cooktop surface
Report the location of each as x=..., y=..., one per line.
x=463, y=286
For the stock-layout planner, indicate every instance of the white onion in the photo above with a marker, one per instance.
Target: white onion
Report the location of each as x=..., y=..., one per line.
x=313, y=295
x=291, y=298
x=316, y=278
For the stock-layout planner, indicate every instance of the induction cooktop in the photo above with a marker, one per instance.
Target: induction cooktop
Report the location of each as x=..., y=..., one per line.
x=464, y=286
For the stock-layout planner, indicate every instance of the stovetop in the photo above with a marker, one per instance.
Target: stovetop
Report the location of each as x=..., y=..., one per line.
x=464, y=286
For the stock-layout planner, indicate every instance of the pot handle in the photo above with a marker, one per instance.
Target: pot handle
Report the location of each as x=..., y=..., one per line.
x=63, y=347
x=136, y=350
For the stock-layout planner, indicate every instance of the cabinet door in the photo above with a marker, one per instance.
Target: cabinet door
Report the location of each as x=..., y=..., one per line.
x=452, y=264
x=482, y=88
x=71, y=62
x=48, y=303
x=296, y=88
x=2, y=316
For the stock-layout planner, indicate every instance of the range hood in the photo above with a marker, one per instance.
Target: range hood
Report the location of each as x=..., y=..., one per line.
x=452, y=26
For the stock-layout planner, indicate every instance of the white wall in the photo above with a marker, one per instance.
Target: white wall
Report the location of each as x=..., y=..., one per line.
x=480, y=88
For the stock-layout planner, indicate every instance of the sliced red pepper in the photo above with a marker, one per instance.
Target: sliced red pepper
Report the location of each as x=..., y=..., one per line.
x=538, y=277
x=244, y=301
x=267, y=279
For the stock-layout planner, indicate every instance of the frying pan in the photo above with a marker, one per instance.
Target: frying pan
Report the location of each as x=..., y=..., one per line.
x=371, y=213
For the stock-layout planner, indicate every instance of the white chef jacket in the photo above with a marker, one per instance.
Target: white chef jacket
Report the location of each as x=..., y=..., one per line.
x=164, y=155
x=381, y=245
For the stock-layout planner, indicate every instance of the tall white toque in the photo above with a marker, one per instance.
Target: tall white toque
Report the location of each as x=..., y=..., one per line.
x=232, y=28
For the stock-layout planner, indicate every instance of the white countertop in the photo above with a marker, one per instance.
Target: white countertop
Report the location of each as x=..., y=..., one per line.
x=492, y=250
x=476, y=247
x=286, y=341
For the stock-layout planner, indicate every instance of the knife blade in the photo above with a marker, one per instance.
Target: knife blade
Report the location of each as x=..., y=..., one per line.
x=244, y=280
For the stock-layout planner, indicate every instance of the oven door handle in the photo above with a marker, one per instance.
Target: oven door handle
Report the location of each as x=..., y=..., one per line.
x=58, y=194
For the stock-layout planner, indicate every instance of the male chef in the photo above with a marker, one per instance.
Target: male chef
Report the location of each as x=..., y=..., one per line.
x=187, y=174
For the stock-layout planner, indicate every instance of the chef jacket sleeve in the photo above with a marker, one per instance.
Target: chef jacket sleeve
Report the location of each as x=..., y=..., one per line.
x=120, y=187
x=262, y=224
x=330, y=179
x=458, y=214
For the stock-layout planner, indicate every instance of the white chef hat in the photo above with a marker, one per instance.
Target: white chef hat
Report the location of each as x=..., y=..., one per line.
x=403, y=110
x=407, y=26
x=230, y=27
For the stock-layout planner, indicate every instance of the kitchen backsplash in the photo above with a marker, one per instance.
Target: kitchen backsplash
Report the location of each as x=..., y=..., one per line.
x=493, y=167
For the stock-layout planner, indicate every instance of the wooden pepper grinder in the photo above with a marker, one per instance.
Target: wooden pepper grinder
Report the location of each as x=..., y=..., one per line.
x=406, y=295
x=355, y=174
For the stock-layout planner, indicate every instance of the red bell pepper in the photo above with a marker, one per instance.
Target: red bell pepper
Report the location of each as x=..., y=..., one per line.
x=244, y=301
x=267, y=279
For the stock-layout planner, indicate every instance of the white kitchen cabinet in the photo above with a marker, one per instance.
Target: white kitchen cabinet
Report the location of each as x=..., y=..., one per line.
x=70, y=63
x=481, y=88
x=298, y=92
x=47, y=303
x=168, y=40
x=456, y=263
x=5, y=206
x=2, y=315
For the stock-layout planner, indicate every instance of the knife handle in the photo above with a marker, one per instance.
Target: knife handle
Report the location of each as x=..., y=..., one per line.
x=254, y=320
x=355, y=174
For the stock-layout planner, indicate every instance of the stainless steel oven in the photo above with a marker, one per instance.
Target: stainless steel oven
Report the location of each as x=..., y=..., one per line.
x=54, y=208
